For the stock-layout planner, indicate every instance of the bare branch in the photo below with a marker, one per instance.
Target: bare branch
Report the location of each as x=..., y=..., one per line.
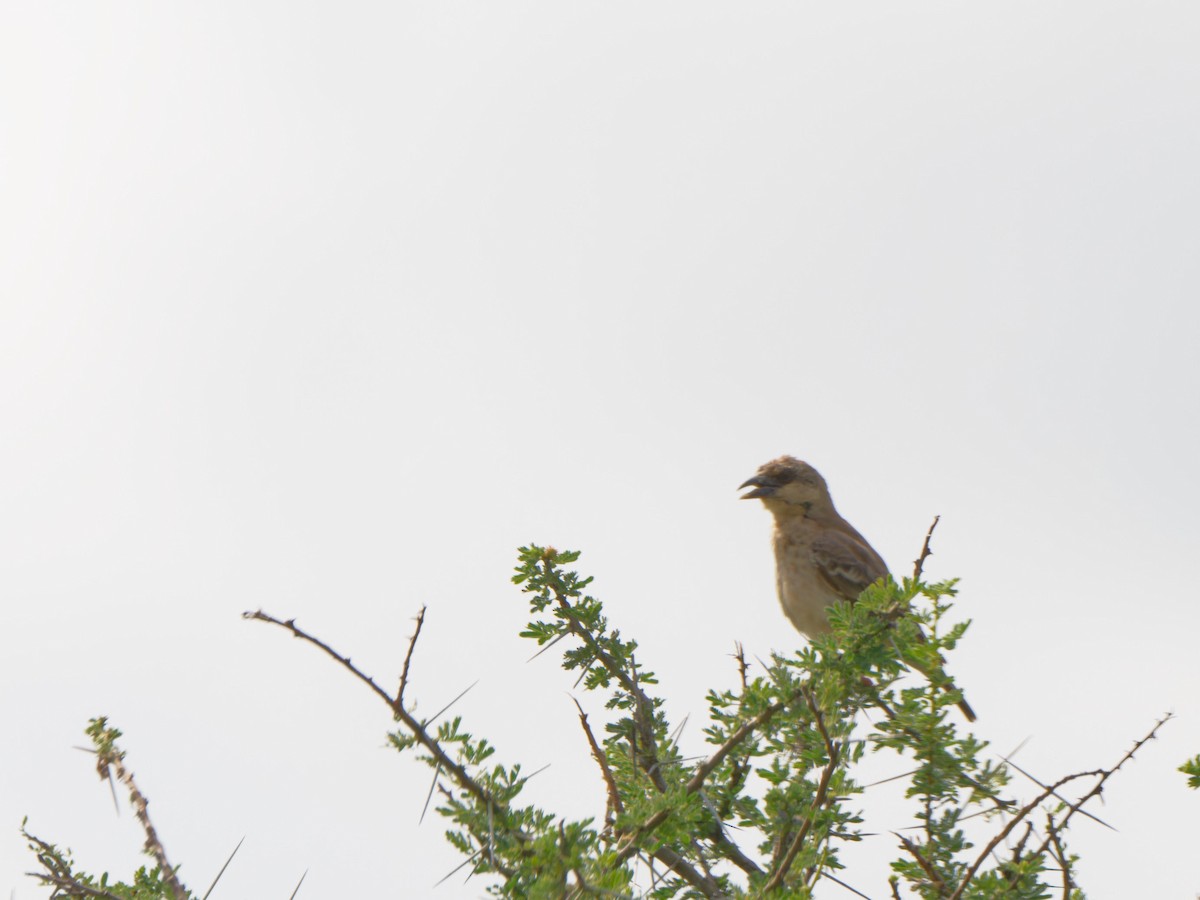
x=1082, y=812
x=1105, y=774
x=919, y=562
x=460, y=775
x=290, y=625
x=614, y=796
x=412, y=643
x=740, y=655
x=1016, y=820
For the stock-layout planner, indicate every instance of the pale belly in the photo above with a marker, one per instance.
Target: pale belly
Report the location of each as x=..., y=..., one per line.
x=802, y=593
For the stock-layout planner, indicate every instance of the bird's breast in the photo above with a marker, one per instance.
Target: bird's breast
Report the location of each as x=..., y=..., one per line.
x=803, y=593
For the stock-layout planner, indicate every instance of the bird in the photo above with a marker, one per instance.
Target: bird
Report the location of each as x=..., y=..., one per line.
x=820, y=558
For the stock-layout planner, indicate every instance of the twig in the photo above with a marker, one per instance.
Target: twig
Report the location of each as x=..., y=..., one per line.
x=1061, y=855
x=290, y=625
x=740, y=655
x=794, y=848
x=648, y=861
x=75, y=888
x=703, y=860
x=747, y=728
x=630, y=846
x=926, y=866
x=919, y=562
x=648, y=758
x=1015, y=855
x=62, y=879
x=492, y=836
x=1082, y=812
x=1016, y=820
x=666, y=856
x=812, y=705
x=1105, y=774
x=733, y=852
x=461, y=776
x=614, y=796
x=819, y=800
x=484, y=846
x=111, y=762
x=412, y=644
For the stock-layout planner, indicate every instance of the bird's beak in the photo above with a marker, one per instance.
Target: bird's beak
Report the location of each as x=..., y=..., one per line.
x=763, y=487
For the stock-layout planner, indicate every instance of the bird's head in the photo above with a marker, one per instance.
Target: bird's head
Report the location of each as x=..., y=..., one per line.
x=787, y=485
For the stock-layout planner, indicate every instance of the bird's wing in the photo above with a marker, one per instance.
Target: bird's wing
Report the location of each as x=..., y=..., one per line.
x=849, y=566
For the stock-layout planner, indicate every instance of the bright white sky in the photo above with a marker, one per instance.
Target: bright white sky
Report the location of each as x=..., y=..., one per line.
x=329, y=307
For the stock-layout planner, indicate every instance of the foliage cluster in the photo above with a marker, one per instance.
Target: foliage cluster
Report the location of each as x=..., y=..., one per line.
x=766, y=812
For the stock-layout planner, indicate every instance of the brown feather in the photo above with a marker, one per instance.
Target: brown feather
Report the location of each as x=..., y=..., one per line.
x=848, y=566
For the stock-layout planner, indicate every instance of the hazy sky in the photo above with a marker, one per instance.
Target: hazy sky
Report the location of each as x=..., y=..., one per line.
x=326, y=308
